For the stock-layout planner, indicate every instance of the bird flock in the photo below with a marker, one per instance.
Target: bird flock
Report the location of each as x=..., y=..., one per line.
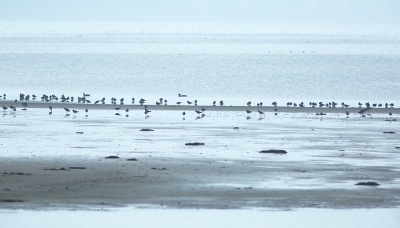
x=200, y=112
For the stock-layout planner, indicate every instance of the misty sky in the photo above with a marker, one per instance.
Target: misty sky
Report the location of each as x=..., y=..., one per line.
x=256, y=11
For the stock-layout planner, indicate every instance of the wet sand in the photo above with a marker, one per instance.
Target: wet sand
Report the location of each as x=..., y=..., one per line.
x=326, y=158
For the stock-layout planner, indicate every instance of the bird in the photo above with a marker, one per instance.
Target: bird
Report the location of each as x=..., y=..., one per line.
x=347, y=114
x=118, y=108
x=86, y=110
x=117, y=114
x=146, y=111
x=126, y=110
x=214, y=102
x=390, y=114
x=203, y=109
x=249, y=103
x=183, y=113
x=248, y=112
x=178, y=103
x=5, y=108
x=181, y=95
x=261, y=113
x=75, y=111
x=51, y=108
x=86, y=95
x=198, y=112
x=66, y=109
x=189, y=102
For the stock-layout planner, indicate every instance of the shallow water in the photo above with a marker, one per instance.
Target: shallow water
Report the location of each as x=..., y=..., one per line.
x=264, y=63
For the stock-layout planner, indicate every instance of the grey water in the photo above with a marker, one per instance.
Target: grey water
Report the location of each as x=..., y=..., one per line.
x=340, y=65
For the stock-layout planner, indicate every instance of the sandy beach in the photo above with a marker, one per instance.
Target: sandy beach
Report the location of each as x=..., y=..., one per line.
x=57, y=161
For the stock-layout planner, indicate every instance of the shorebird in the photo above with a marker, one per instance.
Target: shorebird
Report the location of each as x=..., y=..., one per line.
x=96, y=102
x=261, y=113
x=146, y=111
x=51, y=108
x=274, y=103
x=203, y=109
x=75, y=111
x=5, y=108
x=221, y=103
x=158, y=103
x=390, y=114
x=181, y=95
x=66, y=109
x=195, y=102
x=248, y=112
x=165, y=102
x=183, y=113
x=86, y=110
x=249, y=103
x=189, y=102
x=118, y=108
x=86, y=95
x=198, y=112
x=117, y=114
x=214, y=102
x=178, y=103
x=126, y=110
x=347, y=114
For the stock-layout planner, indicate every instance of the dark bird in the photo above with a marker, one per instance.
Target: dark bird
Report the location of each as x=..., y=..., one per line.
x=117, y=114
x=86, y=95
x=183, y=113
x=75, y=111
x=261, y=113
x=86, y=110
x=126, y=110
x=178, y=103
x=189, y=102
x=390, y=114
x=66, y=109
x=248, y=112
x=249, y=103
x=51, y=108
x=118, y=108
x=214, y=102
x=5, y=108
x=203, y=109
x=347, y=114
x=146, y=111
x=198, y=112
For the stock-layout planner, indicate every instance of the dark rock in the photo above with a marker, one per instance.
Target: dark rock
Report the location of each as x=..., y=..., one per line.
x=146, y=129
x=194, y=144
x=112, y=156
x=389, y=132
x=368, y=183
x=131, y=159
x=273, y=152
x=397, y=147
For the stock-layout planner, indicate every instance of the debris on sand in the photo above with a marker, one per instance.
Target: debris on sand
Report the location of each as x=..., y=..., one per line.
x=112, y=156
x=131, y=159
x=79, y=132
x=5, y=173
x=236, y=128
x=389, y=132
x=160, y=169
x=146, y=129
x=63, y=169
x=391, y=120
x=12, y=201
x=273, y=152
x=77, y=167
x=397, y=147
x=368, y=183
x=194, y=144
